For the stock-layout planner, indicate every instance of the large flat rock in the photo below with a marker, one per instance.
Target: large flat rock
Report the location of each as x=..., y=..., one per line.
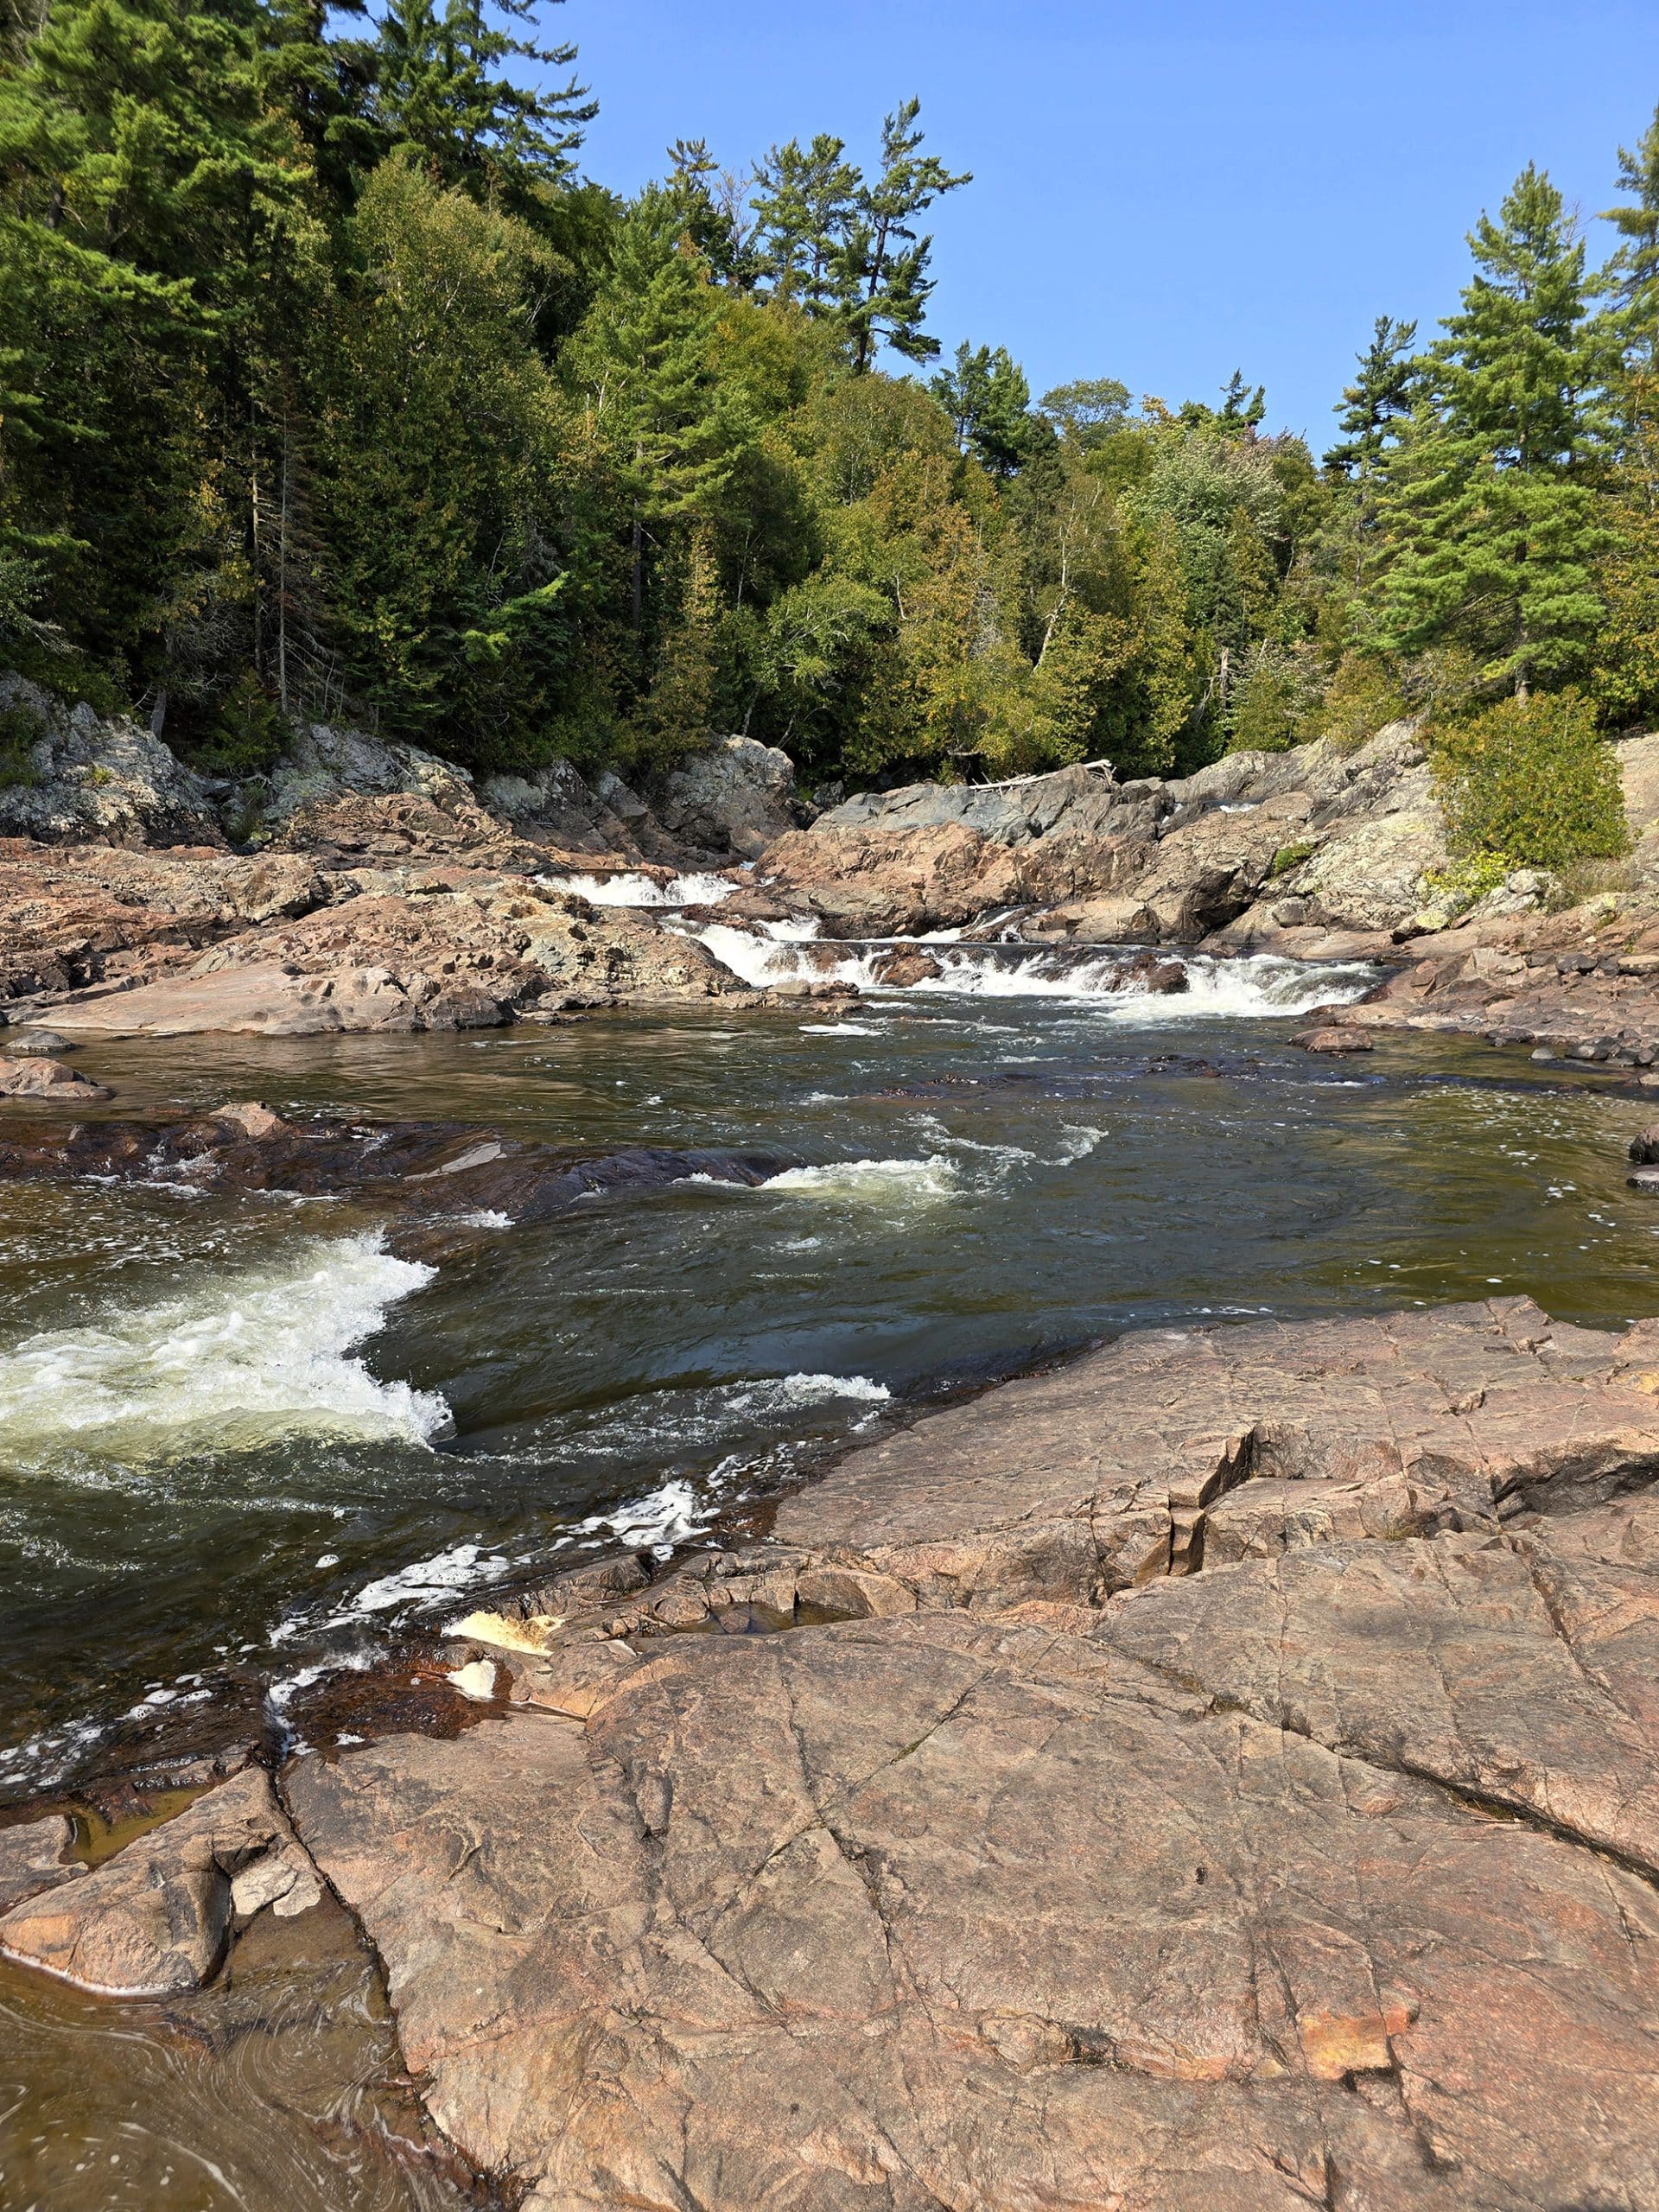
x=1107, y=1471
x=969, y=1912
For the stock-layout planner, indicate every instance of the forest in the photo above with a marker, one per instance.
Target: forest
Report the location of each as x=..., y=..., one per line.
x=331, y=388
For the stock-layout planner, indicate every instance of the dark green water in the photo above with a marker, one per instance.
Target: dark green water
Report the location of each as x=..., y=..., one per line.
x=239, y=1441
x=242, y=1445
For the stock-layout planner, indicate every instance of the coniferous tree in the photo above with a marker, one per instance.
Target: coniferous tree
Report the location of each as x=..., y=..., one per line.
x=988, y=399
x=1491, y=498
x=886, y=258
x=439, y=86
x=1377, y=400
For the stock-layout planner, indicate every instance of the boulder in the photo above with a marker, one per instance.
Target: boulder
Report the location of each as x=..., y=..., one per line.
x=90, y=780
x=52, y=1081
x=1333, y=1038
x=154, y=1919
x=736, y=796
x=34, y=1857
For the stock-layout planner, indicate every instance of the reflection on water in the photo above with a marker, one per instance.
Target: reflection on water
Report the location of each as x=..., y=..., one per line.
x=241, y=1441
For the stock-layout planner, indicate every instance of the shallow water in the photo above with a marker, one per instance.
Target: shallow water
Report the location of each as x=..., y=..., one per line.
x=240, y=1442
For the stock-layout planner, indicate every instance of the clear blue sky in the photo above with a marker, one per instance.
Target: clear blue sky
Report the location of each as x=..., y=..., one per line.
x=1165, y=190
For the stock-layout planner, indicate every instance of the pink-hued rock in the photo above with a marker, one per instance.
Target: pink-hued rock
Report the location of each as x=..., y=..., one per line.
x=155, y=1918
x=1132, y=1843
x=54, y=1082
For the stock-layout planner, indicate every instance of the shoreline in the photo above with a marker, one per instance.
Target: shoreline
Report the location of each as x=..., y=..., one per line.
x=1098, y=1548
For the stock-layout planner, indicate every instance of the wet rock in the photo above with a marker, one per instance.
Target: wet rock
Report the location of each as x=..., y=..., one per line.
x=1333, y=1038
x=255, y=1121
x=906, y=967
x=34, y=1044
x=418, y=1170
x=34, y=1856
x=155, y=1917
x=52, y=1081
x=1644, y=1147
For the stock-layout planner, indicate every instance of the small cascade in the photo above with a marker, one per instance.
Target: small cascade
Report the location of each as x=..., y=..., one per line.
x=1118, y=978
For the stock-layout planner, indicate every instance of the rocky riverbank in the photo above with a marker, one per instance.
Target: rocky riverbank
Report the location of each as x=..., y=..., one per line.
x=376, y=888
x=1221, y=1771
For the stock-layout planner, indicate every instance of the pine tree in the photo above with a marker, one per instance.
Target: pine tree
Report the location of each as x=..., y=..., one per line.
x=1489, y=501
x=886, y=258
x=438, y=87
x=988, y=399
x=1631, y=278
x=804, y=204
x=1378, y=398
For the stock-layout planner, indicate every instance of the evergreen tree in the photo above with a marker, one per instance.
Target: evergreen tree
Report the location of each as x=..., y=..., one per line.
x=988, y=399
x=439, y=86
x=885, y=258
x=804, y=206
x=1490, y=500
x=1631, y=276
x=1378, y=398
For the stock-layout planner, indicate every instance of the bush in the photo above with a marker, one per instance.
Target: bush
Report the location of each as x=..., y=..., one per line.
x=1360, y=699
x=1532, y=780
x=20, y=729
x=1289, y=856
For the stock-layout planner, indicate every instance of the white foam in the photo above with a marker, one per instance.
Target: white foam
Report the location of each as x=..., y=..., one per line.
x=661, y=1519
x=838, y=1029
x=424, y=1580
x=630, y=890
x=256, y=1355
x=1249, y=985
x=808, y=1390
x=870, y=1180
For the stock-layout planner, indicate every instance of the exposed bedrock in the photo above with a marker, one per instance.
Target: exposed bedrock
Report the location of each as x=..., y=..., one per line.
x=417, y=1171
x=1240, y=1790
x=1232, y=1785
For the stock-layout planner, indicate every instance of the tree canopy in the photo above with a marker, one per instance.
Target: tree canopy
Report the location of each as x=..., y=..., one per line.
x=330, y=386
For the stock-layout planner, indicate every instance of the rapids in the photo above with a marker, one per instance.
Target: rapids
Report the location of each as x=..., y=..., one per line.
x=247, y=1446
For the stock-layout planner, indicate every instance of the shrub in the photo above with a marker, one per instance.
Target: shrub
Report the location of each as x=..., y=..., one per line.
x=1289, y=856
x=1360, y=699
x=1532, y=780
x=20, y=729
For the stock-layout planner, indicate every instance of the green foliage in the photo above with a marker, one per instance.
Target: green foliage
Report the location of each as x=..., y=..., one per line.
x=326, y=391
x=21, y=730
x=1468, y=879
x=1491, y=496
x=1290, y=856
x=1531, y=780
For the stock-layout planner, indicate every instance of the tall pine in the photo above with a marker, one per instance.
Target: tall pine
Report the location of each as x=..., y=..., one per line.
x=1490, y=501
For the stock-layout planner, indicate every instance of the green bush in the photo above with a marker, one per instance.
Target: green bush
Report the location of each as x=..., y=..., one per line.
x=1289, y=856
x=1360, y=698
x=1532, y=780
x=21, y=728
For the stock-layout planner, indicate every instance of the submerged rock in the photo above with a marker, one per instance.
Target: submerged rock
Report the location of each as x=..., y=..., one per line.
x=155, y=1918
x=420, y=1170
x=1333, y=1037
x=53, y=1081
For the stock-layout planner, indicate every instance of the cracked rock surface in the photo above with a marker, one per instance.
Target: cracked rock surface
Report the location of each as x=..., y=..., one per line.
x=1237, y=1791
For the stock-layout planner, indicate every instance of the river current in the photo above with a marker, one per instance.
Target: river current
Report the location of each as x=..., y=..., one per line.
x=245, y=1446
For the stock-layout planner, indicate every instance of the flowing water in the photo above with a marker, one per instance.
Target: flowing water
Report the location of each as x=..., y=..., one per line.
x=243, y=1444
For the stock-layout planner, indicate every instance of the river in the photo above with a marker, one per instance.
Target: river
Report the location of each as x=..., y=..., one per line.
x=245, y=1446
